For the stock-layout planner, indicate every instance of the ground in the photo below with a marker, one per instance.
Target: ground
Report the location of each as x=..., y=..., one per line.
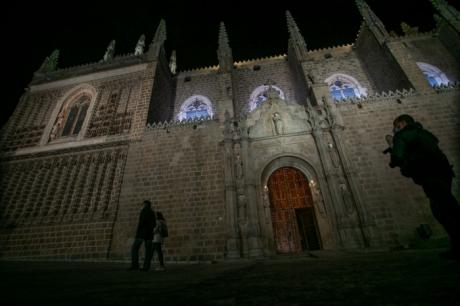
x=408, y=277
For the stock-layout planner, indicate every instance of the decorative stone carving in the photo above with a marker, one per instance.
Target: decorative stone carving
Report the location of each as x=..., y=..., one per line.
x=278, y=124
x=242, y=209
x=275, y=117
x=173, y=62
x=266, y=204
x=312, y=117
x=139, y=50
x=109, y=52
x=334, y=155
x=317, y=197
x=239, y=175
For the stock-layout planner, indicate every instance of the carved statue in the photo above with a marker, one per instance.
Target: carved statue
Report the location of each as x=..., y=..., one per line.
x=238, y=167
x=172, y=62
x=313, y=119
x=139, y=50
x=110, y=52
x=278, y=123
x=271, y=93
x=334, y=155
x=57, y=127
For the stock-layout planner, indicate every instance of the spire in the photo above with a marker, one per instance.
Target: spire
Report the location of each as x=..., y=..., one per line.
x=448, y=12
x=372, y=21
x=224, y=52
x=296, y=40
x=172, y=62
x=158, y=40
x=160, y=34
x=50, y=62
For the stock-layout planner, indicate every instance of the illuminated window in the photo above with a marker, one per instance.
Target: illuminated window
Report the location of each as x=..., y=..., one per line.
x=342, y=86
x=433, y=74
x=195, y=107
x=259, y=95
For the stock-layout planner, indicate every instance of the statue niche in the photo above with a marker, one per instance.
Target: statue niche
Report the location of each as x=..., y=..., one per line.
x=275, y=117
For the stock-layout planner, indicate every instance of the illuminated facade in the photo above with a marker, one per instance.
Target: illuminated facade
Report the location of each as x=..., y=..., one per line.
x=244, y=159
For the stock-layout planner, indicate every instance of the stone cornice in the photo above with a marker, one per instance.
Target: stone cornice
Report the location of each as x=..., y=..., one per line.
x=88, y=77
x=67, y=147
x=91, y=68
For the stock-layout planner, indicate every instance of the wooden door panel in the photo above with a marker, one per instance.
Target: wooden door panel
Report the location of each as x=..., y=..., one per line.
x=289, y=192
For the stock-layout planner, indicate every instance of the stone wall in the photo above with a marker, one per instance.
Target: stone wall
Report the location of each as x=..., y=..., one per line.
x=112, y=114
x=180, y=169
x=60, y=205
x=247, y=78
x=379, y=63
x=433, y=52
x=25, y=127
x=344, y=63
x=197, y=83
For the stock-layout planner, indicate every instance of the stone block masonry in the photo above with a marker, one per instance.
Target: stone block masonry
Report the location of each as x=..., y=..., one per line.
x=60, y=206
x=397, y=205
x=180, y=169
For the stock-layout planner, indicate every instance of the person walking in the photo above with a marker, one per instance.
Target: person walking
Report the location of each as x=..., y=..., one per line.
x=144, y=234
x=159, y=233
x=415, y=151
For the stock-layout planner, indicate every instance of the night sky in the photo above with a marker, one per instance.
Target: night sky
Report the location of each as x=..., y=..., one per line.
x=82, y=30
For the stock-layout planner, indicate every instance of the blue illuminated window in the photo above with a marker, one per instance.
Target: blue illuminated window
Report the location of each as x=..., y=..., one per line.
x=195, y=108
x=259, y=96
x=342, y=86
x=433, y=74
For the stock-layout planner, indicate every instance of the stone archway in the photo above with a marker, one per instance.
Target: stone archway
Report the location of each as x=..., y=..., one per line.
x=319, y=201
x=295, y=228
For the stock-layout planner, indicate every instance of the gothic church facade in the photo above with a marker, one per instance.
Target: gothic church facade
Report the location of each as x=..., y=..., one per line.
x=245, y=159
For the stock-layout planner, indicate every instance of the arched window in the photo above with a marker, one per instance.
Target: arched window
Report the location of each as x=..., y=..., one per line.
x=433, y=74
x=258, y=96
x=195, y=107
x=342, y=86
x=70, y=120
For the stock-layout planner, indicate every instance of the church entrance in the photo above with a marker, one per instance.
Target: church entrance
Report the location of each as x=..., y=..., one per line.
x=293, y=217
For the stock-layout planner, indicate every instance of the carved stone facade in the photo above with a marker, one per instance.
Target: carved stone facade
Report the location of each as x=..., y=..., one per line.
x=86, y=145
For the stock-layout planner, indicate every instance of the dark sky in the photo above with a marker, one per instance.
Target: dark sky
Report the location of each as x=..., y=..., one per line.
x=82, y=30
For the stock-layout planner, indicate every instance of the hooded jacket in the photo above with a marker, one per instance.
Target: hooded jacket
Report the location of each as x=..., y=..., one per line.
x=415, y=150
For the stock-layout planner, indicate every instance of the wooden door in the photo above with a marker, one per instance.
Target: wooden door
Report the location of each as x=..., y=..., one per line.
x=292, y=212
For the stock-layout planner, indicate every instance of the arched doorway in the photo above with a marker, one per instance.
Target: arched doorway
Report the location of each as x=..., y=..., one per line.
x=293, y=217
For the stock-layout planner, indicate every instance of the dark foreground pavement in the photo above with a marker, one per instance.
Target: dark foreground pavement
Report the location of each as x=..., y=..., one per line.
x=371, y=278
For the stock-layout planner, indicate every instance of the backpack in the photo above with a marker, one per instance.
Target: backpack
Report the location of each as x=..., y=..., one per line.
x=163, y=229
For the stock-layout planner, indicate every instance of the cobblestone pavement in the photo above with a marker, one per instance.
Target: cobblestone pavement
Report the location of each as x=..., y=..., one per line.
x=324, y=278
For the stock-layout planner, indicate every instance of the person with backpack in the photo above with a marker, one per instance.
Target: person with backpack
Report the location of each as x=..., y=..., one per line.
x=416, y=152
x=159, y=233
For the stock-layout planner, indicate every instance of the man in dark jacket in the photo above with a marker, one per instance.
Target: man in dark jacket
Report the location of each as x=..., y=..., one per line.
x=415, y=151
x=144, y=233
